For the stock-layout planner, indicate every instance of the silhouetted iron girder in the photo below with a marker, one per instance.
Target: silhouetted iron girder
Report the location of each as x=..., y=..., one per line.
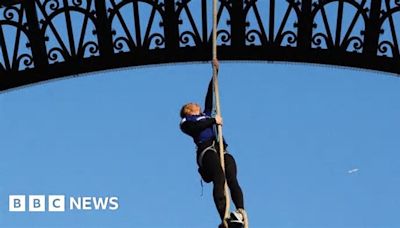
x=48, y=39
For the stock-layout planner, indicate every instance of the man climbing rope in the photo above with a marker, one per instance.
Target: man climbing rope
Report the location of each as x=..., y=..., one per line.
x=201, y=127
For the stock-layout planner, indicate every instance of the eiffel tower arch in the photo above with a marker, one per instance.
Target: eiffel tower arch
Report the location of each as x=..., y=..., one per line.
x=47, y=39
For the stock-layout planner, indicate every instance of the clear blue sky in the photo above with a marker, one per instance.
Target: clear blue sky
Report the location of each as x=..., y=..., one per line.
x=295, y=130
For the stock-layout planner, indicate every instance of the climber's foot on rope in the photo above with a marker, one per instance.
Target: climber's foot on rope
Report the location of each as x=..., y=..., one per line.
x=244, y=217
x=237, y=219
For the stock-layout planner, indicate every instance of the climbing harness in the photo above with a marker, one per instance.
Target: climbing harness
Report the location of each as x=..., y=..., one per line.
x=203, y=152
x=218, y=112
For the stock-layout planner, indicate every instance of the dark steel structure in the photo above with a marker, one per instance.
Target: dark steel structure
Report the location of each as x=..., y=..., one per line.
x=47, y=39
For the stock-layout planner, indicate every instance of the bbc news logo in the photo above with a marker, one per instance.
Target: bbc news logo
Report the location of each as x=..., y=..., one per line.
x=60, y=203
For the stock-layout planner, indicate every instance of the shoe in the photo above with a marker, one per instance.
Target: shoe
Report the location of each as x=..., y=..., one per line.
x=236, y=217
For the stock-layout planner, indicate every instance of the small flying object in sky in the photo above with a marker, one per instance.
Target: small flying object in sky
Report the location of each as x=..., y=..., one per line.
x=352, y=171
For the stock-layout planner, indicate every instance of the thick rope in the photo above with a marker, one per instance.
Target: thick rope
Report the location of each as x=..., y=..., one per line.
x=218, y=112
x=218, y=109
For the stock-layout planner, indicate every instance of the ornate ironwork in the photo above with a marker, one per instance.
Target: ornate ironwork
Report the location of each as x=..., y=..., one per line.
x=47, y=39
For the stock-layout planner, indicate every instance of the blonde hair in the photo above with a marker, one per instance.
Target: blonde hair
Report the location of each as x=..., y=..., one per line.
x=187, y=109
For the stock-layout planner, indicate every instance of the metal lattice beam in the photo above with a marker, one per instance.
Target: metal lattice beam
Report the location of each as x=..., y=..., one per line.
x=47, y=39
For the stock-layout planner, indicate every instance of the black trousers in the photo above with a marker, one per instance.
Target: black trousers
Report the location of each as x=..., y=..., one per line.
x=211, y=171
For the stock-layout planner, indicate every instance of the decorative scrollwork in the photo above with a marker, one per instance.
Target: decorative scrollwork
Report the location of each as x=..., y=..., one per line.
x=11, y=13
x=68, y=32
x=389, y=38
x=186, y=37
x=355, y=42
x=26, y=60
x=157, y=39
x=77, y=3
x=384, y=47
x=224, y=36
x=13, y=27
x=77, y=43
x=290, y=37
x=51, y=5
x=252, y=36
x=56, y=53
x=132, y=26
x=318, y=39
x=346, y=30
x=121, y=43
x=92, y=47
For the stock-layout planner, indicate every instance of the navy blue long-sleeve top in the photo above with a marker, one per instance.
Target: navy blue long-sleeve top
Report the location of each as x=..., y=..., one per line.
x=201, y=127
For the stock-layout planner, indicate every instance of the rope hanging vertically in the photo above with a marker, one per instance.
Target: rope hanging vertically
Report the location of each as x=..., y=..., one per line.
x=217, y=105
x=218, y=112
